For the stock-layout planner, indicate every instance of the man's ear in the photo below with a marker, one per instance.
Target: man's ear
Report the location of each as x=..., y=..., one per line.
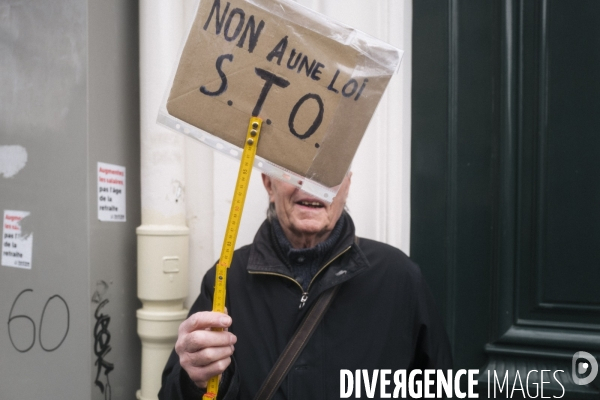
x=268, y=184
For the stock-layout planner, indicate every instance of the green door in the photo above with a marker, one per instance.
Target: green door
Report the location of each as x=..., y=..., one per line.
x=506, y=185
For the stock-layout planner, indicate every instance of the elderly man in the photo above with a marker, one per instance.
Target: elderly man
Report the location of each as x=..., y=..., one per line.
x=382, y=317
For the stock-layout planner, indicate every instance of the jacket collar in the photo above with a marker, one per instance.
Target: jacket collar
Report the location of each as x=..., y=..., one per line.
x=346, y=260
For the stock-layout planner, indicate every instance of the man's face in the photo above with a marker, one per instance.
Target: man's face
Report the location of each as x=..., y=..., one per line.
x=307, y=219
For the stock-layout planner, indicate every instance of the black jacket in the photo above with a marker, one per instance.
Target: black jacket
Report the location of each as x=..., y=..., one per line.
x=383, y=317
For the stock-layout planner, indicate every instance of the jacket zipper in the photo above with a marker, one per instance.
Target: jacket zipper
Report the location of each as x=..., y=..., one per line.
x=304, y=294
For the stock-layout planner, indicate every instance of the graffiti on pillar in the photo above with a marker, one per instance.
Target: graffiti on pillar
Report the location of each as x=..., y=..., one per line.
x=102, y=340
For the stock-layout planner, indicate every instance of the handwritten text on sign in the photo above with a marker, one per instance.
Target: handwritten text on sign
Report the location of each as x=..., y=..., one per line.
x=315, y=93
x=16, y=244
x=111, y=192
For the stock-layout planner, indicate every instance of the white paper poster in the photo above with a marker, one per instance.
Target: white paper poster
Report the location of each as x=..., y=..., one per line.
x=16, y=244
x=111, y=192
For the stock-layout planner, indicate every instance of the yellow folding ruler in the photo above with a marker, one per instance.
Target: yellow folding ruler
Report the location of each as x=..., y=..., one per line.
x=235, y=215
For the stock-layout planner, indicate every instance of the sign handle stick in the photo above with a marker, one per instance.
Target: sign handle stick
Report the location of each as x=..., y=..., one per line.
x=235, y=215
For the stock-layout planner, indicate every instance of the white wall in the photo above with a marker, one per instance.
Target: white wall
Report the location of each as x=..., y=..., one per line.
x=379, y=199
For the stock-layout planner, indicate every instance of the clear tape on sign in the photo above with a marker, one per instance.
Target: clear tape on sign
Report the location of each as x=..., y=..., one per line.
x=315, y=83
x=265, y=166
x=386, y=56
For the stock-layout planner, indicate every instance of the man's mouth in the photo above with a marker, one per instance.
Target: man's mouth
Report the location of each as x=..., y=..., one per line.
x=311, y=204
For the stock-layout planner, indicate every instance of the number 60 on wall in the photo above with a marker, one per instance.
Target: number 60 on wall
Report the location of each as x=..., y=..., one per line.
x=15, y=327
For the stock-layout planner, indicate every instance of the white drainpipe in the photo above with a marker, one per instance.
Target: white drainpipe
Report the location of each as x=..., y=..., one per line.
x=163, y=235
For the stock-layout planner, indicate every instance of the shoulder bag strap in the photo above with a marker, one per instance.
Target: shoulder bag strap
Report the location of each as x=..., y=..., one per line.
x=296, y=345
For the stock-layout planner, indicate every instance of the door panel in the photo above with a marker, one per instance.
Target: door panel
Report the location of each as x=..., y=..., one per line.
x=506, y=179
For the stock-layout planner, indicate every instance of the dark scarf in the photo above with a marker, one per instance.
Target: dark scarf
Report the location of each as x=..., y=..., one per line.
x=305, y=263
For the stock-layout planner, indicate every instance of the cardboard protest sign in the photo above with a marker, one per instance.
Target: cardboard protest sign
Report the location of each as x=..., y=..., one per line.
x=315, y=83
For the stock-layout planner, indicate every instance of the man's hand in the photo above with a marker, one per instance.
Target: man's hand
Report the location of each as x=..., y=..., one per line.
x=202, y=352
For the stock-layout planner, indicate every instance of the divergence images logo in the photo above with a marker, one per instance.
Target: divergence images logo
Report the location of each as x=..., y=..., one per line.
x=580, y=368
